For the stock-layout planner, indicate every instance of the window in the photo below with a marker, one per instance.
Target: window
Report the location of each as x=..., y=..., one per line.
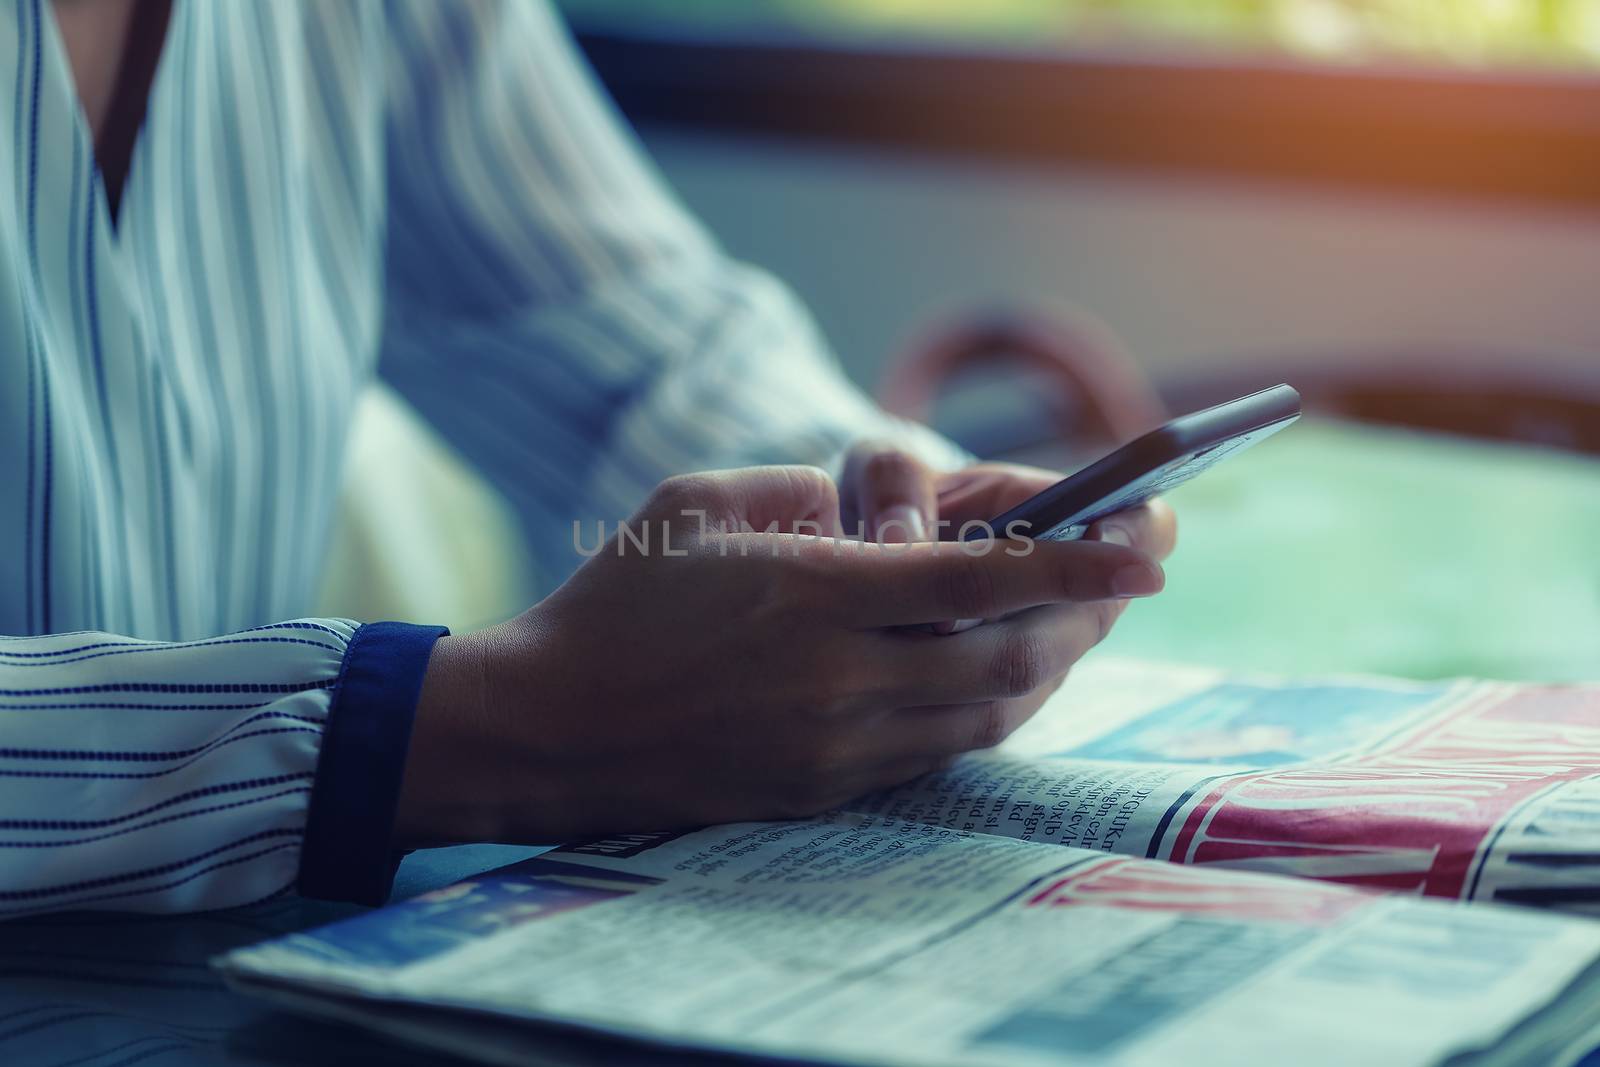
x=1484, y=98
x=1461, y=33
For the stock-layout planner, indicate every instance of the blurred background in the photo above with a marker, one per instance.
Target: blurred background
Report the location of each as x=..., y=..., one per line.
x=1039, y=223
x=1542, y=32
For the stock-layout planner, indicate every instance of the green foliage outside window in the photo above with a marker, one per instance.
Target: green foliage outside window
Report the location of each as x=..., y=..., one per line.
x=1558, y=33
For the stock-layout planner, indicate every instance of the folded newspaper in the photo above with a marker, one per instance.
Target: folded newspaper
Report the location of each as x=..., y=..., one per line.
x=1167, y=865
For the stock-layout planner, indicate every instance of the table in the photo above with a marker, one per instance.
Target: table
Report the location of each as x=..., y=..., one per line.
x=1331, y=548
x=91, y=990
x=1336, y=547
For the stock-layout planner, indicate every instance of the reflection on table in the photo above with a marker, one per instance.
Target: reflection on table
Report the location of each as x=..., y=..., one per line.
x=102, y=990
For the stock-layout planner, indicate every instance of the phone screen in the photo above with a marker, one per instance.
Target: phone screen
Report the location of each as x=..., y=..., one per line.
x=1152, y=483
x=1132, y=487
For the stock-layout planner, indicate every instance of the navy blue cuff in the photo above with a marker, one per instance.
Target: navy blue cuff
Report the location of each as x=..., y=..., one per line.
x=347, y=853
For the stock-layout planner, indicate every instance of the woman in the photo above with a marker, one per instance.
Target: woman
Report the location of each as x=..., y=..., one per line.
x=217, y=223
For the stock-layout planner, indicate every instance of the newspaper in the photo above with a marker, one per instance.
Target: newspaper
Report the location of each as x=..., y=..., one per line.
x=865, y=940
x=1111, y=886
x=1467, y=790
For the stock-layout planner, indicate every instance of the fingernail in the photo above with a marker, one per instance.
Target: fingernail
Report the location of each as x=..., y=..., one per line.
x=1136, y=579
x=900, y=525
x=1116, y=535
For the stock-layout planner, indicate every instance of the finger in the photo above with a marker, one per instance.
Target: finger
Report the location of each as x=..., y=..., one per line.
x=907, y=585
x=894, y=493
x=787, y=499
x=950, y=729
x=986, y=490
x=1005, y=660
x=982, y=492
x=955, y=626
x=1152, y=528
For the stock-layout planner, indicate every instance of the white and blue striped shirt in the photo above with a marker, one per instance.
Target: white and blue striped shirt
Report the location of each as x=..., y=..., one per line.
x=434, y=192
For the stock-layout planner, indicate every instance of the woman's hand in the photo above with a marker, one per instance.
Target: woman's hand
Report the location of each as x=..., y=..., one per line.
x=715, y=676
x=893, y=497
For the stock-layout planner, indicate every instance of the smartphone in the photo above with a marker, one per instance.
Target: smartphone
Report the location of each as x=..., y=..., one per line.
x=1146, y=466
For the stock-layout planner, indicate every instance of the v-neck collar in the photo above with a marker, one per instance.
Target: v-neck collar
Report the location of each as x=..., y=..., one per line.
x=130, y=96
x=145, y=49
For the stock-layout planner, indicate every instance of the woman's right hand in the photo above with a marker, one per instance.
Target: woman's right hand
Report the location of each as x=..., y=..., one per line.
x=719, y=677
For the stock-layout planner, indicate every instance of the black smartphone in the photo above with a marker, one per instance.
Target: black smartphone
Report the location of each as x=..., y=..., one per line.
x=1146, y=466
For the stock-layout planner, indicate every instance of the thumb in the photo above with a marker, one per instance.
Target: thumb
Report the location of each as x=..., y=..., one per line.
x=892, y=493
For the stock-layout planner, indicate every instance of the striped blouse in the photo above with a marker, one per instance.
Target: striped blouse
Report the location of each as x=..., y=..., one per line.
x=321, y=192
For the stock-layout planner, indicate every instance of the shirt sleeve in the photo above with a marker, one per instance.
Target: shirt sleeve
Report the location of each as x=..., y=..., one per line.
x=552, y=309
x=160, y=777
